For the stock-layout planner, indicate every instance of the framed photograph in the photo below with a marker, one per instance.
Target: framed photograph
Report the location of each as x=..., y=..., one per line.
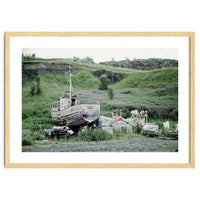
x=99, y=100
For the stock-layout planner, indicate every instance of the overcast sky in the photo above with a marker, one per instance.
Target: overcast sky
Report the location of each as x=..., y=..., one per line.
x=104, y=54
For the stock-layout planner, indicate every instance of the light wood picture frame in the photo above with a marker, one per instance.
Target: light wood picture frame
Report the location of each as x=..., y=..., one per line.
x=191, y=106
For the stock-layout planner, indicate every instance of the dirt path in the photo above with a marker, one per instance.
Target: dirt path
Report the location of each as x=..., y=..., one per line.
x=128, y=145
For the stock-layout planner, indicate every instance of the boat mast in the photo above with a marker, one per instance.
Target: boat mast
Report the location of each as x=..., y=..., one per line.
x=70, y=84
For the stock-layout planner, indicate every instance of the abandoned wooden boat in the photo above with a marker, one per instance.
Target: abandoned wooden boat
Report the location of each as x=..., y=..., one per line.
x=68, y=111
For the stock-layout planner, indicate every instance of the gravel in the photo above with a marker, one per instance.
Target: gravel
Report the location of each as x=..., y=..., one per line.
x=129, y=145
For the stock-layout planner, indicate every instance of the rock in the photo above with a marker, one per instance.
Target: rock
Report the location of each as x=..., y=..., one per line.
x=41, y=141
x=132, y=122
x=150, y=129
x=112, y=76
x=105, y=121
x=126, y=125
x=58, y=131
x=122, y=126
x=136, y=121
x=172, y=134
x=44, y=141
x=48, y=132
x=108, y=129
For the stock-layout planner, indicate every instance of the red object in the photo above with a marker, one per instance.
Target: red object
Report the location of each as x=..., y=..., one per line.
x=118, y=118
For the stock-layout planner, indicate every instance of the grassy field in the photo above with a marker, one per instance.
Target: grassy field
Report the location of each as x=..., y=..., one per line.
x=155, y=91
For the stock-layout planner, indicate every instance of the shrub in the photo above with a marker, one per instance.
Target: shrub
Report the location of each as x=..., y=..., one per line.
x=94, y=135
x=110, y=93
x=26, y=139
x=32, y=91
x=138, y=128
x=39, y=136
x=163, y=113
x=104, y=81
x=38, y=87
x=118, y=134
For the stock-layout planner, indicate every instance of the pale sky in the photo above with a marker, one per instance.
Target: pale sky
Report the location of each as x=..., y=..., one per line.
x=104, y=54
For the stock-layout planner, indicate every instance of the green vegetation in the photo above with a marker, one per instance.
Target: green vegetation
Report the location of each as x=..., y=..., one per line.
x=83, y=60
x=39, y=135
x=101, y=135
x=94, y=135
x=38, y=86
x=27, y=140
x=160, y=122
x=118, y=134
x=36, y=109
x=110, y=93
x=143, y=64
x=104, y=81
x=32, y=91
x=155, y=91
x=36, y=89
x=85, y=80
x=153, y=79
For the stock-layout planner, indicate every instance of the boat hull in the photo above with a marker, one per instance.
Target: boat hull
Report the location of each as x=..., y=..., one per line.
x=76, y=115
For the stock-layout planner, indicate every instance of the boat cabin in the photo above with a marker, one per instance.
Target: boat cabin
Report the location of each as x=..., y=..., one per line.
x=65, y=103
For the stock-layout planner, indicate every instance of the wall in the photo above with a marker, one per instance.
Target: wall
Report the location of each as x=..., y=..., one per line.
x=89, y=15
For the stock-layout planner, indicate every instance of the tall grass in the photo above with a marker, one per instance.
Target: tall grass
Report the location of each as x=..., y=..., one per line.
x=94, y=135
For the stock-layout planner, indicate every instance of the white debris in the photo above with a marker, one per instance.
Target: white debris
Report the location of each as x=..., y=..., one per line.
x=122, y=125
x=105, y=121
x=166, y=125
x=126, y=125
x=134, y=113
x=131, y=121
x=136, y=122
x=129, y=129
x=119, y=125
x=141, y=114
x=176, y=127
x=150, y=129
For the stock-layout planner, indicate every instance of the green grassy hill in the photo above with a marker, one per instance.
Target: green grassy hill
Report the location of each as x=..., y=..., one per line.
x=156, y=90
x=85, y=80
x=81, y=80
x=153, y=79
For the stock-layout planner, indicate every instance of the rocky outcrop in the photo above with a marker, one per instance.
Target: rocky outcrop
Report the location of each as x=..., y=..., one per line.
x=28, y=73
x=112, y=76
x=30, y=70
